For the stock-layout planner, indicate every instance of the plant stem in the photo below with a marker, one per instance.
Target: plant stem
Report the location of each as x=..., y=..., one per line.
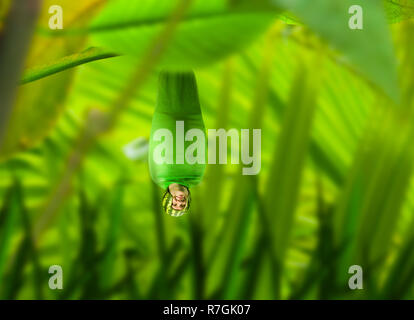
x=71, y=61
x=14, y=45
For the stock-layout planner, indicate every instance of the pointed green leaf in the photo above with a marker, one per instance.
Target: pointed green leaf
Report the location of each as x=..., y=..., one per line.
x=71, y=61
x=284, y=178
x=210, y=30
x=370, y=50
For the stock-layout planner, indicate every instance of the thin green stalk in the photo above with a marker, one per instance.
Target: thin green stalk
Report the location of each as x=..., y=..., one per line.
x=9, y=214
x=214, y=176
x=71, y=61
x=283, y=182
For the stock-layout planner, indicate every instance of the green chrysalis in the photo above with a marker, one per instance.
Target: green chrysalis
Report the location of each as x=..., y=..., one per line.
x=177, y=111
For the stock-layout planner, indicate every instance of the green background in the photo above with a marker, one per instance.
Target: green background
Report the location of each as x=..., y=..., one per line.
x=335, y=107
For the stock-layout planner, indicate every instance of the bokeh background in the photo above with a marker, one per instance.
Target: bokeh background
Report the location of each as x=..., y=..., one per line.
x=335, y=106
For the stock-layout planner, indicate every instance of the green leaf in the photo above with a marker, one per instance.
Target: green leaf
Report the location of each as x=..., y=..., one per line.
x=27, y=127
x=71, y=61
x=8, y=216
x=344, y=102
x=209, y=32
x=112, y=236
x=283, y=181
x=370, y=50
x=24, y=254
x=214, y=174
x=223, y=267
x=399, y=10
x=400, y=278
x=376, y=188
x=40, y=103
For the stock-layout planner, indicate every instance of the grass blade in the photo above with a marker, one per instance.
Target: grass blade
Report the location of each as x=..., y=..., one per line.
x=285, y=174
x=112, y=236
x=8, y=216
x=71, y=61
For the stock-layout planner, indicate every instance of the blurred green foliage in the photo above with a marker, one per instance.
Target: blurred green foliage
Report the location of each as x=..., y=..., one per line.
x=336, y=111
